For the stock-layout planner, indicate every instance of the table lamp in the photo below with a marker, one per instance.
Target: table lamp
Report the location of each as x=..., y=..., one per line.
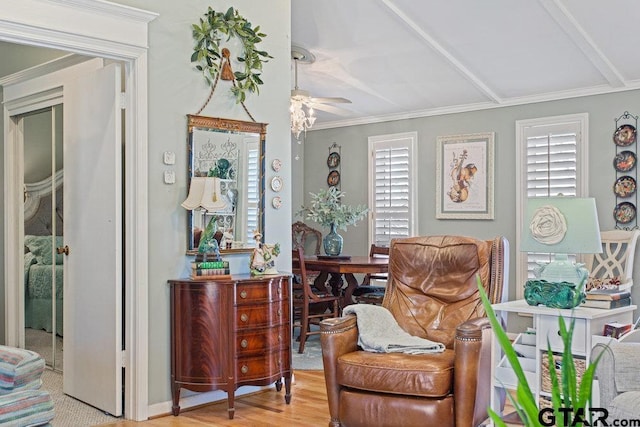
x=204, y=193
x=561, y=226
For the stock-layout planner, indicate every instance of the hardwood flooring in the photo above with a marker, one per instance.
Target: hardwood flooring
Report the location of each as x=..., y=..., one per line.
x=308, y=408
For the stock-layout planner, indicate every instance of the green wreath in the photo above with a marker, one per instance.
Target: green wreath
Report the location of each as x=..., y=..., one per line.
x=213, y=27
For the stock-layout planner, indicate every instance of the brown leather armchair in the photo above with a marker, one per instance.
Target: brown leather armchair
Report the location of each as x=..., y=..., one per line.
x=432, y=293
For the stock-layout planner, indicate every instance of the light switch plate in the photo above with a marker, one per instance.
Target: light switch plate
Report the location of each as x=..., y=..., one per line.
x=169, y=158
x=169, y=177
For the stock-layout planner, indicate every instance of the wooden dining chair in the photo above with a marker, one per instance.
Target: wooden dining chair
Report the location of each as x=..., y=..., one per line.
x=366, y=293
x=301, y=233
x=310, y=305
x=305, y=237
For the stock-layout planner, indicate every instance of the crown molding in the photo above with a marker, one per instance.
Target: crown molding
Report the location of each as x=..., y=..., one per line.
x=509, y=102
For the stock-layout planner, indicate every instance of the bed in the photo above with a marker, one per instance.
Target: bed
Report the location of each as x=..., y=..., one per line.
x=39, y=272
x=41, y=263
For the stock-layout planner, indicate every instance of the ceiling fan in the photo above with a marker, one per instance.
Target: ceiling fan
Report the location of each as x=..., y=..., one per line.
x=302, y=103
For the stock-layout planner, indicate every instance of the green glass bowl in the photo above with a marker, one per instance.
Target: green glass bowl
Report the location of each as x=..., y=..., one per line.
x=553, y=294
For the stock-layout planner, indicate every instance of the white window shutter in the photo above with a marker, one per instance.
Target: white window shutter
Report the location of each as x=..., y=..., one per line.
x=253, y=193
x=392, y=187
x=552, y=155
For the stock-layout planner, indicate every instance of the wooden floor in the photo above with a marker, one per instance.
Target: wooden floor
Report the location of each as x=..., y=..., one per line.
x=308, y=408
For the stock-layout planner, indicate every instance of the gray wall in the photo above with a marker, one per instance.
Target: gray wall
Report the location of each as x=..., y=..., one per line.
x=602, y=110
x=176, y=89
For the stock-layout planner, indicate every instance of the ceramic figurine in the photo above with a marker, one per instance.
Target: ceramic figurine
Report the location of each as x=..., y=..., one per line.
x=263, y=259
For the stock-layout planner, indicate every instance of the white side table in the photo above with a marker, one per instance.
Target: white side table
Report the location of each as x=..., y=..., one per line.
x=588, y=322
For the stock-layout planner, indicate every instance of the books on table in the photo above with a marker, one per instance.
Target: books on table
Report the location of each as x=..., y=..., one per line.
x=606, y=304
x=607, y=294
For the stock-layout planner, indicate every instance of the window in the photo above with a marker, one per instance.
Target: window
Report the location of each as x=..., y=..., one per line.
x=552, y=155
x=392, y=188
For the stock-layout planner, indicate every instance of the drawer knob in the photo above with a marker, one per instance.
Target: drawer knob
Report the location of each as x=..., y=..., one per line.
x=244, y=369
x=279, y=338
x=279, y=362
x=244, y=343
x=244, y=317
x=243, y=294
x=279, y=312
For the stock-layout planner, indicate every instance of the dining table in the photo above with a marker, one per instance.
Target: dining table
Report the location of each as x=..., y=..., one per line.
x=341, y=269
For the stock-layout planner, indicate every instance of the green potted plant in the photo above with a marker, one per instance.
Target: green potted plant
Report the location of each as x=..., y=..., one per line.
x=326, y=208
x=569, y=399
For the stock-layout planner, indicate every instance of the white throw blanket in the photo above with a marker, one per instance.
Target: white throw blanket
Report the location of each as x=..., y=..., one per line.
x=379, y=332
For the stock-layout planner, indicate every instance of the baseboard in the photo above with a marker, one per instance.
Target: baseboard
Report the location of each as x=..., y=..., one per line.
x=190, y=399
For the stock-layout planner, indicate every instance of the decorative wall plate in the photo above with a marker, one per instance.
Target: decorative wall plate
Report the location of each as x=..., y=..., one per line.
x=277, y=183
x=624, y=186
x=624, y=212
x=333, y=178
x=624, y=161
x=276, y=202
x=276, y=165
x=625, y=135
x=333, y=161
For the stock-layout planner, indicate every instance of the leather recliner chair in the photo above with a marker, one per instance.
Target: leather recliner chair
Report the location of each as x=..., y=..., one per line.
x=432, y=293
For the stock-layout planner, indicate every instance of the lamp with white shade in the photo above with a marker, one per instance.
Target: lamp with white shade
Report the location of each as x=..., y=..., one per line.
x=205, y=193
x=562, y=226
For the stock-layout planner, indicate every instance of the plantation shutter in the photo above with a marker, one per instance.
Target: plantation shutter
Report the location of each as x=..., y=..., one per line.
x=552, y=170
x=253, y=193
x=392, y=200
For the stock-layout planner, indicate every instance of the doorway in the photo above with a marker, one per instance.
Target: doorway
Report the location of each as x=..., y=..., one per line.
x=87, y=28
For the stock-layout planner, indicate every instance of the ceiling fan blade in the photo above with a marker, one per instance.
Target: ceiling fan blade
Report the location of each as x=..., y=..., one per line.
x=336, y=100
x=330, y=109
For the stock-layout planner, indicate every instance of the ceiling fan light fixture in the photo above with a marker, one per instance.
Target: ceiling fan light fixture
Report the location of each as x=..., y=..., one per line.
x=301, y=120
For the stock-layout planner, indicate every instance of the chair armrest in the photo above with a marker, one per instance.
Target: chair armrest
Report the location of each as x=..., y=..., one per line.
x=617, y=369
x=472, y=371
x=338, y=336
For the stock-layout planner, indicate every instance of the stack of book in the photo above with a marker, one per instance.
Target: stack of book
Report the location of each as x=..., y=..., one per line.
x=209, y=267
x=607, y=298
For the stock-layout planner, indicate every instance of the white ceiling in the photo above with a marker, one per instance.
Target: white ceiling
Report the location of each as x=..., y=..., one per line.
x=409, y=58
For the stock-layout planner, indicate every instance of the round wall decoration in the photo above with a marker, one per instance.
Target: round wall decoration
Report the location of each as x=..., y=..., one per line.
x=333, y=178
x=624, y=212
x=624, y=161
x=333, y=161
x=277, y=183
x=276, y=165
x=624, y=186
x=210, y=58
x=625, y=135
x=276, y=202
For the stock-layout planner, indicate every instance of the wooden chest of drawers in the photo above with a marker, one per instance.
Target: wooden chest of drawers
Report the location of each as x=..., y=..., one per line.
x=228, y=333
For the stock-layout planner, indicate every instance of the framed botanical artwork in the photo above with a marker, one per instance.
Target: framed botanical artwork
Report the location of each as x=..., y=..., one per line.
x=464, y=176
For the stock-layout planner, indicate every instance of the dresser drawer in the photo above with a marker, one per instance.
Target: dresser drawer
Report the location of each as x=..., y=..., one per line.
x=261, y=340
x=264, y=366
x=262, y=291
x=549, y=327
x=257, y=316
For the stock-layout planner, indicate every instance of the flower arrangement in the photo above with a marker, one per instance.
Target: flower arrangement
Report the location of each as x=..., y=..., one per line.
x=326, y=208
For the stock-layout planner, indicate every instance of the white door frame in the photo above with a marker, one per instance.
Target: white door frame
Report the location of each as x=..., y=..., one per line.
x=86, y=27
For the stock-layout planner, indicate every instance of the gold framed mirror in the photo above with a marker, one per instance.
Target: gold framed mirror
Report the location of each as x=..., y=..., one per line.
x=233, y=152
